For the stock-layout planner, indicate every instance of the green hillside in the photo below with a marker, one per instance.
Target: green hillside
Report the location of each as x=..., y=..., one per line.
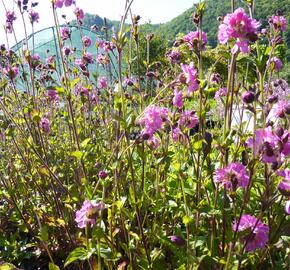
x=215, y=8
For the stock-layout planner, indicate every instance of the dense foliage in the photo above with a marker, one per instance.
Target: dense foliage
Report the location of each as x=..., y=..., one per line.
x=179, y=159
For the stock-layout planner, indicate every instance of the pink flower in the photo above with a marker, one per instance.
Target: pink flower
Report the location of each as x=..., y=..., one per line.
x=52, y=95
x=11, y=72
x=272, y=147
x=174, y=56
x=281, y=108
x=66, y=50
x=88, y=214
x=103, y=59
x=240, y=27
x=44, y=124
x=102, y=82
x=178, y=136
x=58, y=3
x=68, y=3
x=257, y=234
x=190, y=75
x=153, y=119
x=50, y=60
x=178, y=98
x=33, y=16
x=192, y=39
x=284, y=185
x=129, y=81
x=79, y=13
x=65, y=33
x=107, y=46
x=87, y=42
x=275, y=63
x=154, y=142
x=188, y=119
x=10, y=16
x=232, y=176
x=222, y=92
x=87, y=58
x=278, y=22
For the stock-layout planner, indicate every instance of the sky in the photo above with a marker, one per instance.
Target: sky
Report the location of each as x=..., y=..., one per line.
x=157, y=11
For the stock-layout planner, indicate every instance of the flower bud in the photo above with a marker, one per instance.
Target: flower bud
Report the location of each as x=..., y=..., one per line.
x=102, y=174
x=248, y=97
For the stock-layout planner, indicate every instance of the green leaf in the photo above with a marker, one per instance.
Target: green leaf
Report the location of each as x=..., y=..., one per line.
x=77, y=254
x=7, y=266
x=52, y=266
x=85, y=142
x=44, y=233
x=77, y=154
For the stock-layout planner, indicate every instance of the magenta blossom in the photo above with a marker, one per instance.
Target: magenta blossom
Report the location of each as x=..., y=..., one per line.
x=66, y=50
x=222, y=92
x=153, y=119
x=129, y=81
x=44, y=124
x=233, y=176
x=257, y=232
x=88, y=214
x=102, y=82
x=33, y=16
x=107, y=46
x=240, y=27
x=154, y=142
x=192, y=39
x=278, y=22
x=52, y=95
x=174, y=56
x=65, y=33
x=188, y=119
x=281, y=108
x=190, y=76
x=10, y=16
x=60, y=3
x=87, y=58
x=273, y=148
x=79, y=13
x=11, y=72
x=284, y=185
x=177, y=100
x=275, y=63
x=87, y=42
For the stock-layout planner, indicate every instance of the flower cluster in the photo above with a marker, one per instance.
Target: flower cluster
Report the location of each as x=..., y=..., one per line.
x=192, y=39
x=60, y=3
x=45, y=124
x=33, y=16
x=281, y=109
x=284, y=185
x=272, y=146
x=275, y=64
x=11, y=72
x=189, y=77
x=232, y=176
x=153, y=119
x=177, y=100
x=88, y=214
x=222, y=92
x=10, y=18
x=278, y=22
x=240, y=27
x=257, y=233
x=87, y=42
